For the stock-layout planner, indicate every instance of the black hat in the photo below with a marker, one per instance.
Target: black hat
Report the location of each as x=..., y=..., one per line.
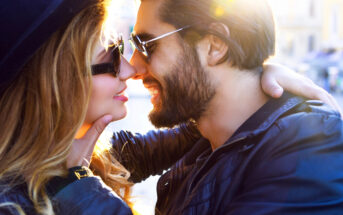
x=26, y=25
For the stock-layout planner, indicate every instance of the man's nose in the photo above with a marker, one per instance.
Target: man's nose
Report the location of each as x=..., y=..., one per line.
x=126, y=70
x=139, y=64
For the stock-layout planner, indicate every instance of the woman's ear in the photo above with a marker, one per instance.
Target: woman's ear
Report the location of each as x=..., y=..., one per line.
x=217, y=48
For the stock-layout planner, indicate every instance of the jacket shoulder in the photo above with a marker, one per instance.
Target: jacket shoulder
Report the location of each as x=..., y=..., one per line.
x=15, y=199
x=308, y=137
x=298, y=164
x=89, y=196
x=304, y=141
x=310, y=121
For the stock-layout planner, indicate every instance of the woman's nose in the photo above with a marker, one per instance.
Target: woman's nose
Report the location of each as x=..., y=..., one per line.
x=126, y=70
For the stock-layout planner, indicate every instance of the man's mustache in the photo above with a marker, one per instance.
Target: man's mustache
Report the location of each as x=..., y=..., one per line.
x=150, y=80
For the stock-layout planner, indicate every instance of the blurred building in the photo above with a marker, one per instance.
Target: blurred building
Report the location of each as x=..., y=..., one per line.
x=310, y=39
x=332, y=30
x=305, y=26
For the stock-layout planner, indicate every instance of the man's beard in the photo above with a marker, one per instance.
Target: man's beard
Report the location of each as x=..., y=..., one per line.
x=186, y=93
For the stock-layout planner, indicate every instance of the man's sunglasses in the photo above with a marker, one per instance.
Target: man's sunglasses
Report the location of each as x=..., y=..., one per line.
x=112, y=67
x=141, y=46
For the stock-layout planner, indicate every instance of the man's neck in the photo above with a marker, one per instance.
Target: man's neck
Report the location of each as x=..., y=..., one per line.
x=238, y=96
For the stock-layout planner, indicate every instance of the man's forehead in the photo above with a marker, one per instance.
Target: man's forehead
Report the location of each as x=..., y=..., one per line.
x=148, y=20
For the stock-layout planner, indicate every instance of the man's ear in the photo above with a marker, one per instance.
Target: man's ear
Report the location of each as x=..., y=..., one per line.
x=217, y=49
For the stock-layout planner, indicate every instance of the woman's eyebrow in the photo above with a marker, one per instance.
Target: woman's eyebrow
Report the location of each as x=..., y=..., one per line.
x=102, y=55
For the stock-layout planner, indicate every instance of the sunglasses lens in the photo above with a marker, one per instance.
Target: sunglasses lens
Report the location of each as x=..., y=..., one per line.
x=102, y=68
x=136, y=42
x=116, y=54
x=121, y=46
x=112, y=68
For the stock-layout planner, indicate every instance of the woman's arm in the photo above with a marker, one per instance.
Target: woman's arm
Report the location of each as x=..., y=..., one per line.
x=277, y=78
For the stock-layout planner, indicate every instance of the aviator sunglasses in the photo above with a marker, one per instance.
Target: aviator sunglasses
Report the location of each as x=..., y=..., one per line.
x=112, y=67
x=142, y=46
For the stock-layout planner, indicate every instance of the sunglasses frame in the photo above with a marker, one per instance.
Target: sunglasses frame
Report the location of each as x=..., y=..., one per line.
x=144, y=44
x=112, y=67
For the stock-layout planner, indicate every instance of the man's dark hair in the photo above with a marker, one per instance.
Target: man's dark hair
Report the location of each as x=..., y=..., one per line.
x=250, y=22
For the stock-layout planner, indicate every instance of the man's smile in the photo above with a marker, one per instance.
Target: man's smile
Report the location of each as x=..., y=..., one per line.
x=154, y=88
x=154, y=91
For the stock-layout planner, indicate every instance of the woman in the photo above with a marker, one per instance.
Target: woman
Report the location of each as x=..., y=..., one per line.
x=45, y=88
x=56, y=79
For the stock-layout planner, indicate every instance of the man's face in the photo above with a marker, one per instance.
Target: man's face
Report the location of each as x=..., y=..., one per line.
x=179, y=86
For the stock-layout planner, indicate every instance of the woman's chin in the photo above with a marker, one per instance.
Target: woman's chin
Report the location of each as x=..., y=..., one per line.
x=119, y=115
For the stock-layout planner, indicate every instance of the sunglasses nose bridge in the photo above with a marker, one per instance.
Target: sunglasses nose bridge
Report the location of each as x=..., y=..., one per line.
x=135, y=43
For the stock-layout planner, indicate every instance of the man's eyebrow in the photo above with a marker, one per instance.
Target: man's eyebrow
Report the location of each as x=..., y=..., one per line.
x=145, y=36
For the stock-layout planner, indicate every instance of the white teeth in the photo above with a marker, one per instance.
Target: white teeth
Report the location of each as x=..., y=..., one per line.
x=154, y=91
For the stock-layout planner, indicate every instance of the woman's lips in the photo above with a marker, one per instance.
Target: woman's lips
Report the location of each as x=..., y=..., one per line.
x=121, y=96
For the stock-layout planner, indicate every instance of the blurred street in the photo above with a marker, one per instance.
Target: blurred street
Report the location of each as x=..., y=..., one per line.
x=339, y=98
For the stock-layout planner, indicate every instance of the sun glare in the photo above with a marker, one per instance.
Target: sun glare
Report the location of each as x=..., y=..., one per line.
x=109, y=33
x=222, y=6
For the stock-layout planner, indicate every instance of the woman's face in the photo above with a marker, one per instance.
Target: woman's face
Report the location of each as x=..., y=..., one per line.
x=108, y=92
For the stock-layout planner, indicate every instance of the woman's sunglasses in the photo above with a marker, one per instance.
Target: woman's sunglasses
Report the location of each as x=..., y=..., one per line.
x=114, y=66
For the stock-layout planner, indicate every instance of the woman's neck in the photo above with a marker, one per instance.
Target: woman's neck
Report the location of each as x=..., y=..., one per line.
x=82, y=131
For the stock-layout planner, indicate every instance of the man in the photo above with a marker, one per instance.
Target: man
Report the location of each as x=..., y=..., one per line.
x=201, y=61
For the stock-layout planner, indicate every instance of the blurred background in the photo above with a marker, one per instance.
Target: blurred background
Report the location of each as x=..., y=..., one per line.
x=309, y=40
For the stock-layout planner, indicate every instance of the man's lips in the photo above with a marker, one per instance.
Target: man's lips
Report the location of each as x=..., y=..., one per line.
x=151, y=84
x=154, y=88
x=154, y=91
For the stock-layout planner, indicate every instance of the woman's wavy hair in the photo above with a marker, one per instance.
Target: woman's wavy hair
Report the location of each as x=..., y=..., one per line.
x=42, y=110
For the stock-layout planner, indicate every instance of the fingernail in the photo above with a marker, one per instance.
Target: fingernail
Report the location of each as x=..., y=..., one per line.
x=107, y=119
x=278, y=92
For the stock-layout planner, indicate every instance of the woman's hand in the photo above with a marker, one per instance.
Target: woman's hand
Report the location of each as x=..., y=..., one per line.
x=82, y=148
x=277, y=78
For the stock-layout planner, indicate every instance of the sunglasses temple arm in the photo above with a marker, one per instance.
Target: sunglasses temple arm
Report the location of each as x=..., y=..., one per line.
x=165, y=35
